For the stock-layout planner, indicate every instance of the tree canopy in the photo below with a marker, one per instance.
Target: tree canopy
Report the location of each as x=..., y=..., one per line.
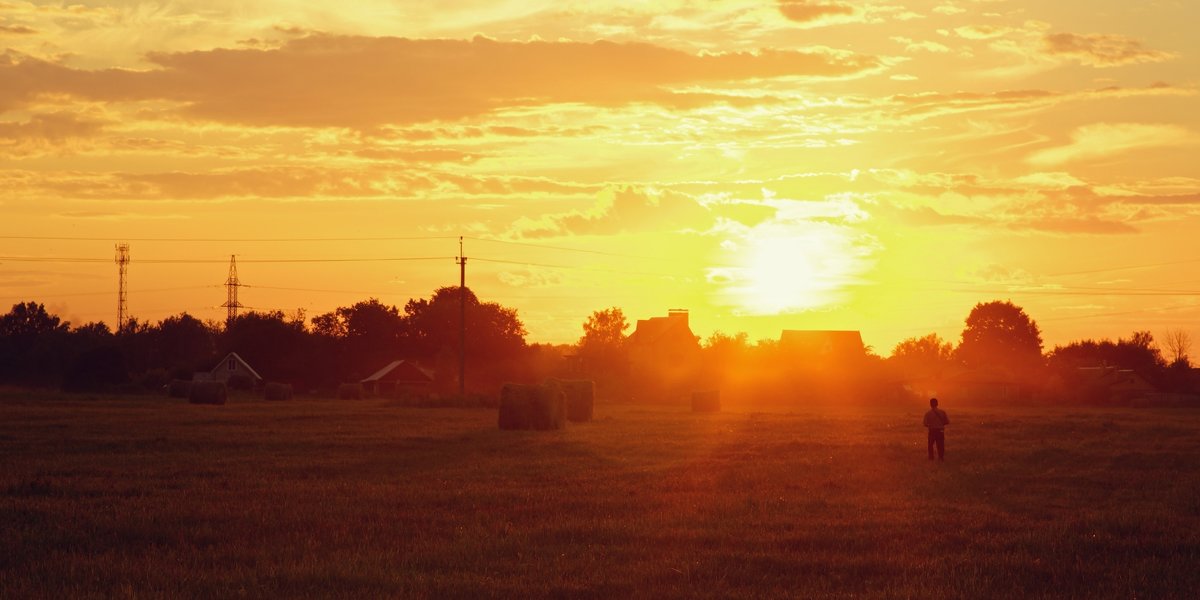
x=1000, y=334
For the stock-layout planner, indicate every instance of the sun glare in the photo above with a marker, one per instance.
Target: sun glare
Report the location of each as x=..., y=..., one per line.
x=786, y=271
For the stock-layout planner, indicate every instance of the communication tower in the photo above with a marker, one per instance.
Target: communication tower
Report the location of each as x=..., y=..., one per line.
x=122, y=261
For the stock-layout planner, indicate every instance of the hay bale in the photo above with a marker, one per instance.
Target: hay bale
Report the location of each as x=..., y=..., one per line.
x=540, y=407
x=208, y=392
x=350, y=391
x=179, y=388
x=580, y=398
x=706, y=401
x=277, y=391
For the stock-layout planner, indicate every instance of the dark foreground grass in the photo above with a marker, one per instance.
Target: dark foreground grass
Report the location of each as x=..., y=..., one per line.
x=120, y=497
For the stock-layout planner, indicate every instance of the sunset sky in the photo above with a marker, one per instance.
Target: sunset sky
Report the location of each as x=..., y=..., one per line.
x=880, y=166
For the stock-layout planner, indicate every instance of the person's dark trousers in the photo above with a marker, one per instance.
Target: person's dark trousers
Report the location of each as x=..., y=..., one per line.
x=938, y=437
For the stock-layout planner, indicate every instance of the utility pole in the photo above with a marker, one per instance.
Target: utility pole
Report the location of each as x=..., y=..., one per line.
x=231, y=291
x=462, y=319
x=122, y=261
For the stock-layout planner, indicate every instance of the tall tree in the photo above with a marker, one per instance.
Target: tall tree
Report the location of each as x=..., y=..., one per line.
x=926, y=356
x=1178, y=344
x=432, y=326
x=602, y=346
x=1001, y=334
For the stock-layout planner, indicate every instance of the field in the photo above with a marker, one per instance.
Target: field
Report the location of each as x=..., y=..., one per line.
x=150, y=497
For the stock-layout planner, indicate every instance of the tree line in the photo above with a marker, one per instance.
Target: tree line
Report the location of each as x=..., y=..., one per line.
x=349, y=343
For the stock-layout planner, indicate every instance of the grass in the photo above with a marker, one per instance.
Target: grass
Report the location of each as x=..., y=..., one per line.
x=152, y=497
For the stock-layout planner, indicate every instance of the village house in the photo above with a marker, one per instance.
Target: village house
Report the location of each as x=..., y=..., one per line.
x=664, y=354
x=232, y=367
x=399, y=377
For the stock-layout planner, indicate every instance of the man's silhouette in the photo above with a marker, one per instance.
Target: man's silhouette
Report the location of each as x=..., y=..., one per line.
x=936, y=421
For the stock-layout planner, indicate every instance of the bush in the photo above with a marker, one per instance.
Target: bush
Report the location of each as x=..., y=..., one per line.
x=208, y=392
x=350, y=391
x=277, y=391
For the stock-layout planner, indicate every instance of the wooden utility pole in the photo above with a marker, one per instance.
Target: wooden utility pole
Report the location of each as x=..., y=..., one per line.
x=462, y=319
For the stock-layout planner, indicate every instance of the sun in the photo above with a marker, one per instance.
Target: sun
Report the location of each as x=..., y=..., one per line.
x=795, y=269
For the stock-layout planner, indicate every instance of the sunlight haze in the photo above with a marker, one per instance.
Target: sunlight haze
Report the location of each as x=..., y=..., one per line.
x=879, y=166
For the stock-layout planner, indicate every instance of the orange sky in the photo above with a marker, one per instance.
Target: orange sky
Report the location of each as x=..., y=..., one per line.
x=879, y=166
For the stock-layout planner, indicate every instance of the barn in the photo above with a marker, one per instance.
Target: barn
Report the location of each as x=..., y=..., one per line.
x=399, y=377
x=234, y=367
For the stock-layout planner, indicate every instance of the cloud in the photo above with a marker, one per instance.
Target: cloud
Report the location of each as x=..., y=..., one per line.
x=982, y=32
x=1102, y=140
x=367, y=82
x=623, y=210
x=1102, y=50
x=16, y=30
x=933, y=104
x=51, y=127
x=806, y=12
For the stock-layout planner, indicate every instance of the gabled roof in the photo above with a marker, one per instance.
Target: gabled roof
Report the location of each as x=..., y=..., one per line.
x=822, y=342
x=401, y=370
x=655, y=329
x=234, y=355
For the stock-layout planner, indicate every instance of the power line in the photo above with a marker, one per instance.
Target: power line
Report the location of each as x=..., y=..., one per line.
x=564, y=248
x=575, y=267
x=215, y=240
x=178, y=261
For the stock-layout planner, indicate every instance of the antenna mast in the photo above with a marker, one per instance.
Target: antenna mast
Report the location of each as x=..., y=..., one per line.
x=122, y=261
x=231, y=290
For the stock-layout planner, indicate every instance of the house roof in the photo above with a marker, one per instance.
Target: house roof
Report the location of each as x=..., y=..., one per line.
x=657, y=329
x=401, y=370
x=822, y=342
x=234, y=355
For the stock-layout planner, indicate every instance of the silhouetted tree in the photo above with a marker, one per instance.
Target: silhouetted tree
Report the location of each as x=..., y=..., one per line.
x=1000, y=334
x=602, y=346
x=366, y=336
x=1178, y=344
x=182, y=345
x=272, y=344
x=1137, y=352
x=493, y=331
x=33, y=345
x=927, y=356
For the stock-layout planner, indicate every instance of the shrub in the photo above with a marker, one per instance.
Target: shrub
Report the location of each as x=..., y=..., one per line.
x=277, y=391
x=208, y=392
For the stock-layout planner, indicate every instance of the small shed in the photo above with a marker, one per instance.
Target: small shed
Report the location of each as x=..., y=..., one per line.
x=234, y=366
x=397, y=377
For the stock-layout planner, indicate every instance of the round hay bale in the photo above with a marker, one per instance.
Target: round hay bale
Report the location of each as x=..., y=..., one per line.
x=277, y=391
x=350, y=391
x=208, y=392
x=581, y=399
x=549, y=407
x=706, y=401
x=516, y=406
x=179, y=388
x=540, y=407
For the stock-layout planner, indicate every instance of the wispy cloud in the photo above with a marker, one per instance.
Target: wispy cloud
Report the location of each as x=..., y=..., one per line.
x=1102, y=50
x=1102, y=140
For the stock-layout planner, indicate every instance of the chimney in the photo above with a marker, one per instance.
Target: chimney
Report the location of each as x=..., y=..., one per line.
x=678, y=313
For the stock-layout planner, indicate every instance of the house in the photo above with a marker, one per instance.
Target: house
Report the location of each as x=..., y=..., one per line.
x=663, y=339
x=399, y=376
x=1115, y=384
x=664, y=355
x=233, y=367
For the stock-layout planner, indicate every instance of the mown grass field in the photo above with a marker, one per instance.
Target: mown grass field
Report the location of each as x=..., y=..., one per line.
x=150, y=497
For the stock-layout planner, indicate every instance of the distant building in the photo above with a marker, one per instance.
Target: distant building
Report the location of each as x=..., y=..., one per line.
x=664, y=354
x=399, y=376
x=233, y=366
x=1116, y=384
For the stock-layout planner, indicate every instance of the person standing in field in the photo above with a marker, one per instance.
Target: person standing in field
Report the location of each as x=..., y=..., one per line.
x=936, y=421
